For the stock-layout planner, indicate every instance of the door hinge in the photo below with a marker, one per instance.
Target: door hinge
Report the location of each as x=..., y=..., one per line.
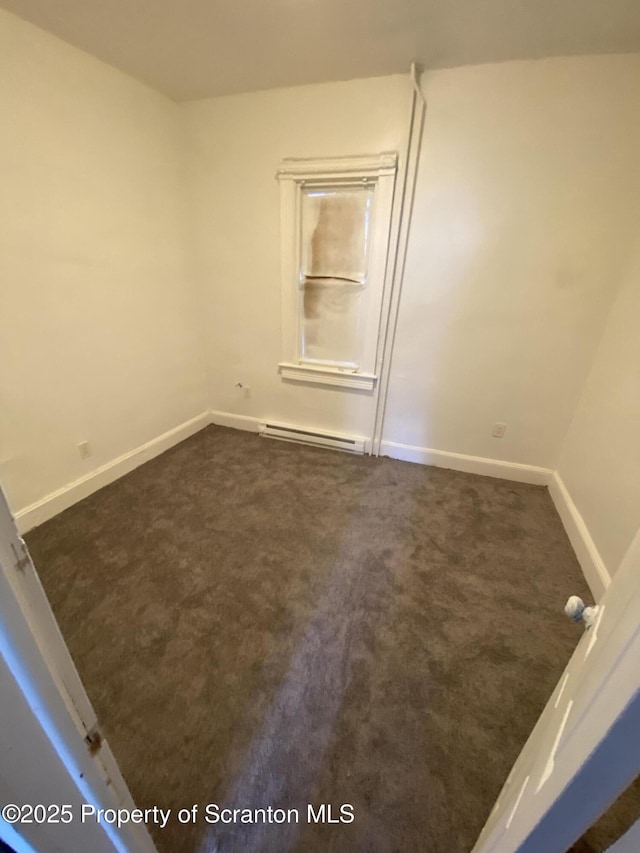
x=23, y=562
x=93, y=739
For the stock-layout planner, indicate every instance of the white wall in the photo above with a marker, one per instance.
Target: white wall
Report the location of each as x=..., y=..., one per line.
x=237, y=145
x=526, y=197
x=98, y=336
x=130, y=228
x=600, y=460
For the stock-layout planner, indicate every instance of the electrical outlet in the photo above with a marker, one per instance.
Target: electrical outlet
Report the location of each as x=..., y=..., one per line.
x=84, y=449
x=244, y=389
x=498, y=430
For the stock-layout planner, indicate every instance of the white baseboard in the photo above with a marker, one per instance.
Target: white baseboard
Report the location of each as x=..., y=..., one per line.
x=593, y=566
x=470, y=464
x=423, y=455
x=227, y=419
x=44, y=509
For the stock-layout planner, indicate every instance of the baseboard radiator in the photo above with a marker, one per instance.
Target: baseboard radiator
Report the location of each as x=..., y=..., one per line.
x=316, y=438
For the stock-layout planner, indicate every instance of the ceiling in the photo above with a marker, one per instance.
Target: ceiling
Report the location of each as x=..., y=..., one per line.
x=199, y=48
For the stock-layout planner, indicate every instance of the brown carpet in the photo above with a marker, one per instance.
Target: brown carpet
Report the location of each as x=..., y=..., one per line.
x=259, y=623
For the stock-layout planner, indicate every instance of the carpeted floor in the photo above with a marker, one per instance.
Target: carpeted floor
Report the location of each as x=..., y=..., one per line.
x=260, y=623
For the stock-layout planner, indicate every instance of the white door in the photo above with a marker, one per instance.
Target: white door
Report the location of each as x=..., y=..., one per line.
x=585, y=748
x=50, y=736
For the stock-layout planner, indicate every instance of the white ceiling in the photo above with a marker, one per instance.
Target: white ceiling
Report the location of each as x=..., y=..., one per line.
x=197, y=48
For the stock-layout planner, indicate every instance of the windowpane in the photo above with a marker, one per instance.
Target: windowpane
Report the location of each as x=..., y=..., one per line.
x=333, y=271
x=331, y=321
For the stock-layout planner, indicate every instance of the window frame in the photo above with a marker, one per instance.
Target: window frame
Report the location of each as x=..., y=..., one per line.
x=295, y=175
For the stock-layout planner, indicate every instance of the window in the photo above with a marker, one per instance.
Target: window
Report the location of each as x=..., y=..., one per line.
x=335, y=217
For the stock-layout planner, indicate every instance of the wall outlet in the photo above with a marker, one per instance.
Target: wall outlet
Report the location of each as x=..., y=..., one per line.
x=245, y=390
x=498, y=430
x=84, y=449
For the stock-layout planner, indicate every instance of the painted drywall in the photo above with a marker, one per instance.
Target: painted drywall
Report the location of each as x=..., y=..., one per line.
x=99, y=339
x=132, y=227
x=237, y=144
x=216, y=47
x=520, y=236
x=521, y=233
x=600, y=460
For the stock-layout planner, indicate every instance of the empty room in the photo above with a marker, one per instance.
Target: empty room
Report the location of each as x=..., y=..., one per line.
x=319, y=426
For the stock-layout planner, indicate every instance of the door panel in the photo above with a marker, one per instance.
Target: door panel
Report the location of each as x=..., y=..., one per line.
x=590, y=706
x=48, y=733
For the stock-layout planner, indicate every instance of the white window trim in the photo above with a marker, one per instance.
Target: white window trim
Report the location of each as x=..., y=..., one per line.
x=293, y=175
x=341, y=376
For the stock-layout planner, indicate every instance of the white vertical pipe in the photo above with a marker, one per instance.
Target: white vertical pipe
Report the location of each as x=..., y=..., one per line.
x=405, y=197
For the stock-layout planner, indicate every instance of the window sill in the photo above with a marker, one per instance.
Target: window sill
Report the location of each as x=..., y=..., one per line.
x=342, y=377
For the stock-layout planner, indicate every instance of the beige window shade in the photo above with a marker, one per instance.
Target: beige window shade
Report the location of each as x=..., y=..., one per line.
x=335, y=228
